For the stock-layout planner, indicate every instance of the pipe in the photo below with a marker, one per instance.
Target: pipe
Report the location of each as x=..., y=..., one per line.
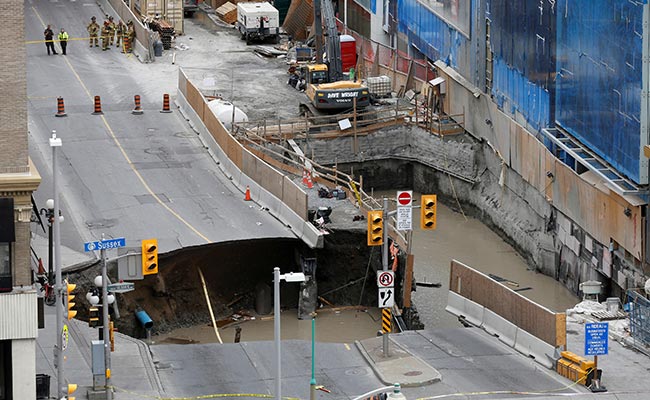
x=144, y=319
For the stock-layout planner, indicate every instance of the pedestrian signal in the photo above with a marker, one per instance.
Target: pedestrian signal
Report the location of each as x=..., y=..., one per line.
x=375, y=228
x=149, y=256
x=428, y=211
x=69, y=304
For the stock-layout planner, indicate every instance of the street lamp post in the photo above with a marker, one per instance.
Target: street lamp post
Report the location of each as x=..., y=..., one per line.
x=48, y=211
x=94, y=297
x=312, y=383
x=290, y=277
x=58, y=287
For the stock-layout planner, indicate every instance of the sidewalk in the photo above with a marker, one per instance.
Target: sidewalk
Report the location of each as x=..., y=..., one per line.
x=132, y=370
x=400, y=365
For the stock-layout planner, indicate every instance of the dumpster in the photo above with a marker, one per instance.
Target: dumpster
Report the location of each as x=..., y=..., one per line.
x=42, y=386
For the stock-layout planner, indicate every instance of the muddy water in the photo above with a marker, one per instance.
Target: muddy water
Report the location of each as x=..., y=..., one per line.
x=466, y=240
x=343, y=326
x=474, y=244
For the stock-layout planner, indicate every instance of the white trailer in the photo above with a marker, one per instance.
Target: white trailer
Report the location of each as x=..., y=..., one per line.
x=258, y=21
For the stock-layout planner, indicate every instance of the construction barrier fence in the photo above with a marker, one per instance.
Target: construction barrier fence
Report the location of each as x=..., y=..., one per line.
x=537, y=320
x=639, y=318
x=267, y=177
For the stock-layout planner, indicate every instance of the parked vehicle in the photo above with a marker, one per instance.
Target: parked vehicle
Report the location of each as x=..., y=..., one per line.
x=190, y=7
x=258, y=21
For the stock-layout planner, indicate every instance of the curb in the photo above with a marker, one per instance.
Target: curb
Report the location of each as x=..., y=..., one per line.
x=381, y=376
x=148, y=363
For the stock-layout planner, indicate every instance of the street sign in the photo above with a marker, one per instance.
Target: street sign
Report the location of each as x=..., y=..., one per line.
x=385, y=278
x=105, y=244
x=386, y=298
x=122, y=287
x=404, y=198
x=596, y=339
x=404, y=218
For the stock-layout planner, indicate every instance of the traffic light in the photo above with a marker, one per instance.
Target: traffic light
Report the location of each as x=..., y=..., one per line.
x=149, y=257
x=94, y=317
x=71, y=388
x=69, y=304
x=428, y=211
x=375, y=228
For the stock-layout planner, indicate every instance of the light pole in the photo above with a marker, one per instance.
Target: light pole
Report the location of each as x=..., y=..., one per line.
x=58, y=287
x=290, y=277
x=312, y=383
x=48, y=212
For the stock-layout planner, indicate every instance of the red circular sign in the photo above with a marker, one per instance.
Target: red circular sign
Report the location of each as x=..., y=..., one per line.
x=404, y=198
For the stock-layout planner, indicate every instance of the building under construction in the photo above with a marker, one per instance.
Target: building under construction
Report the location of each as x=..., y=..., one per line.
x=559, y=90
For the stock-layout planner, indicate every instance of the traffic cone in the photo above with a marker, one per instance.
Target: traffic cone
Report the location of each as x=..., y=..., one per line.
x=248, y=194
x=60, y=107
x=166, y=108
x=138, y=109
x=304, y=176
x=98, y=106
x=310, y=184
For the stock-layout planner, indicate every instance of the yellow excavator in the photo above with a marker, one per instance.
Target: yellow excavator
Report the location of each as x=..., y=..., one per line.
x=324, y=82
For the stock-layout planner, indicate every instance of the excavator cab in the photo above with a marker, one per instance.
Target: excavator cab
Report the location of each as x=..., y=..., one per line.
x=315, y=74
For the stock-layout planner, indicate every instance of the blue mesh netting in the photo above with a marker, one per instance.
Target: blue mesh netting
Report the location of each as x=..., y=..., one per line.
x=598, y=91
x=523, y=43
x=430, y=33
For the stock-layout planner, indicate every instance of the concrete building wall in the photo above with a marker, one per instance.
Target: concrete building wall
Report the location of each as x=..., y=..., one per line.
x=18, y=179
x=24, y=368
x=13, y=86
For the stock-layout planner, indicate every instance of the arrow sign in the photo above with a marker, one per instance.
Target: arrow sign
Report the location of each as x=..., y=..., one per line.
x=386, y=298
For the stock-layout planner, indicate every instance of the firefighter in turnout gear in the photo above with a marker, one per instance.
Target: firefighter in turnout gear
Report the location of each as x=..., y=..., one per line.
x=111, y=31
x=93, y=31
x=120, y=30
x=106, y=30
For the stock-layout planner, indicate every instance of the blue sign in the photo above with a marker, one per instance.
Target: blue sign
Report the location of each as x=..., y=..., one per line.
x=105, y=244
x=596, y=339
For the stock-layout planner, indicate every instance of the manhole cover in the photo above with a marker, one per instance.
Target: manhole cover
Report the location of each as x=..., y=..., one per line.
x=356, y=372
x=413, y=373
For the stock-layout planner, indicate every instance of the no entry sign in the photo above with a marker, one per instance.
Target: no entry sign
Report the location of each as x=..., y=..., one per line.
x=405, y=198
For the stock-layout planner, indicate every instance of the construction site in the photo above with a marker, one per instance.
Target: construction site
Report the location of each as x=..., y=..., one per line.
x=458, y=114
x=290, y=124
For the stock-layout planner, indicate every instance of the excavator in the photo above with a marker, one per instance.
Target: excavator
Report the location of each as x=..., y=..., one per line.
x=324, y=82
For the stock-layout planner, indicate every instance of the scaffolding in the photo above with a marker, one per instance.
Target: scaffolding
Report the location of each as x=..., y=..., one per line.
x=639, y=320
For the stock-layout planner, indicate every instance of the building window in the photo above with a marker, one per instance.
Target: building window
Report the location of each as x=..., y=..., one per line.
x=5, y=370
x=454, y=12
x=5, y=268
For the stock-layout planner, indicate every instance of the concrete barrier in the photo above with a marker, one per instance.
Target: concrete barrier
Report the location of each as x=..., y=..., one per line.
x=462, y=307
x=300, y=227
x=498, y=326
x=531, y=346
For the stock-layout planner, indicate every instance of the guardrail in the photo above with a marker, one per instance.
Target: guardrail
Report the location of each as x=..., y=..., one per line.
x=266, y=139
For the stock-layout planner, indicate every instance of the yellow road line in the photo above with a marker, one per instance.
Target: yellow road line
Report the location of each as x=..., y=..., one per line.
x=126, y=157
x=347, y=346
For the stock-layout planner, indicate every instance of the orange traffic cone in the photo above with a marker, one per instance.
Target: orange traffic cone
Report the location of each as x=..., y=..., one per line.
x=248, y=194
x=310, y=184
x=304, y=176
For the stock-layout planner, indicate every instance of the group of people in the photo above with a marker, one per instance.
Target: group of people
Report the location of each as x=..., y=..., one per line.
x=111, y=33
x=49, y=40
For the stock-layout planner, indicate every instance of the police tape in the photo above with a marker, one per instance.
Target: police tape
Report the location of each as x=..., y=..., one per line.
x=70, y=39
x=207, y=396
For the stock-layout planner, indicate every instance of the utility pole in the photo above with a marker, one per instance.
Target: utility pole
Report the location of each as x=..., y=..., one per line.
x=58, y=286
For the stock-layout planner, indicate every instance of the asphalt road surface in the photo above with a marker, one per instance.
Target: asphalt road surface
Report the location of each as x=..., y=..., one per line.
x=124, y=175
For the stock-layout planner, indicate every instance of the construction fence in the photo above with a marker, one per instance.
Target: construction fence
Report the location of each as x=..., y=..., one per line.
x=639, y=319
x=272, y=180
x=538, y=321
